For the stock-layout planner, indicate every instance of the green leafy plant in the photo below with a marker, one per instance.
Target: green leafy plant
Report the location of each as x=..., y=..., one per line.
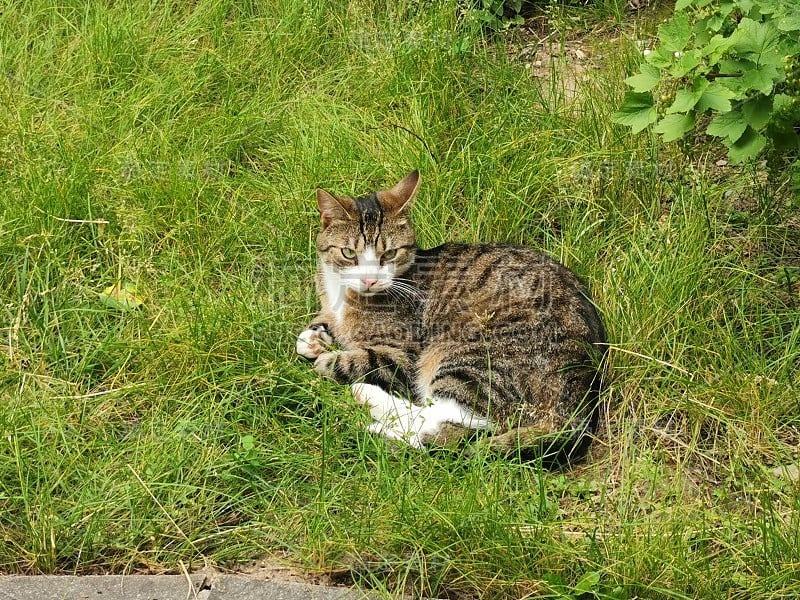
x=728, y=67
x=497, y=14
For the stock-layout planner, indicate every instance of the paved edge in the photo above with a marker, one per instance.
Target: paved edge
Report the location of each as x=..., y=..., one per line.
x=168, y=587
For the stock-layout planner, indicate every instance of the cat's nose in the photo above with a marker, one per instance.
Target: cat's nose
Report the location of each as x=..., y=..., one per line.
x=368, y=283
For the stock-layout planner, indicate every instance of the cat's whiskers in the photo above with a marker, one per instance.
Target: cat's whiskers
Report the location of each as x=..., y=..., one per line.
x=407, y=283
x=401, y=289
x=396, y=294
x=405, y=280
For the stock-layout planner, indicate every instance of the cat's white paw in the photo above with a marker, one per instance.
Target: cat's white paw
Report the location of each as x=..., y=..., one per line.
x=395, y=433
x=380, y=403
x=361, y=393
x=398, y=419
x=313, y=341
x=374, y=397
x=395, y=418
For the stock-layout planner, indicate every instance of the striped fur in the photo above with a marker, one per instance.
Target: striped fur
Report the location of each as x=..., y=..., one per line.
x=460, y=338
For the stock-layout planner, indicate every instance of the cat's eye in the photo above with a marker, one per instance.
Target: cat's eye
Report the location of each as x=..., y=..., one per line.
x=348, y=253
x=389, y=255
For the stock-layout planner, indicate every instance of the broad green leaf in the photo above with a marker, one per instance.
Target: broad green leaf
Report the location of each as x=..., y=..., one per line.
x=672, y=127
x=735, y=66
x=637, y=111
x=782, y=101
x=753, y=38
x=686, y=63
x=758, y=111
x=790, y=22
x=644, y=81
x=735, y=85
x=702, y=34
x=675, y=33
x=587, y=583
x=726, y=7
x=746, y=147
x=772, y=57
x=661, y=57
x=716, y=47
x=121, y=296
x=733, y=81
x=729, y=125
x=685, y=99
x=760, y=79
x=681, y=4
x=714, y=22
x=716, y=97
x=618, y=593
x=767, y=7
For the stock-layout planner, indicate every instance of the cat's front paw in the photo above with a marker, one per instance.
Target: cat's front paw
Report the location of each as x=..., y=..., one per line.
x=325, y=365
x=313, y=342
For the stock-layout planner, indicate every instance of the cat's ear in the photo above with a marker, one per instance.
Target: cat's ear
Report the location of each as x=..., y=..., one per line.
x=401, y=196
x=332, y=208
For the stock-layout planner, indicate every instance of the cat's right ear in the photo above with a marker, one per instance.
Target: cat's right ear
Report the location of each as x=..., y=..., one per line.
x=401, y=196
x=331, y=208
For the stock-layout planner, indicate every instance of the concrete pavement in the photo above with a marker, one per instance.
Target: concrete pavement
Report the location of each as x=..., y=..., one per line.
x=168, y=587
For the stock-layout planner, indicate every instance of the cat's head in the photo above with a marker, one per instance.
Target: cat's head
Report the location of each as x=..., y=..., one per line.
x=368, y=241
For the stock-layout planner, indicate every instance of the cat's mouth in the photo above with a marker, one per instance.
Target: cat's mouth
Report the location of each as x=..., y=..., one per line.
x=369, y=287
x=373, y=290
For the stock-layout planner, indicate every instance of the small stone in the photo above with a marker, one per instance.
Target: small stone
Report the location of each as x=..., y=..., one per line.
x=789, y=472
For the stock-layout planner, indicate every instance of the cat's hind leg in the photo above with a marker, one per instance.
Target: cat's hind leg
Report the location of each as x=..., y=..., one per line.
x=381, y=404
x=398, y=419
x=394, y=417
x=448, y=397
x=446, y=410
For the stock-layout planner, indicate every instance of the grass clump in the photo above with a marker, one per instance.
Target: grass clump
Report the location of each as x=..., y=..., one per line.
x=175, y=149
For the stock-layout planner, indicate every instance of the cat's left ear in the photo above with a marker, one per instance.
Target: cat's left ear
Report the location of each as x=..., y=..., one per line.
x=401, y=196
x=331, y=208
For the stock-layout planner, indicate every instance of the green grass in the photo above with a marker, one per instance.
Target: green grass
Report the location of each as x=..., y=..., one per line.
x=176, y=146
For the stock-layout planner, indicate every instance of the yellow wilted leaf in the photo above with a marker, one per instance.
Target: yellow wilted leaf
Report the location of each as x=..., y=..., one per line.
x=122, y=296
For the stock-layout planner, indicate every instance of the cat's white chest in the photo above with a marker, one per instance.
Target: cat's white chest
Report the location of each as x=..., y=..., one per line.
x=334, y=293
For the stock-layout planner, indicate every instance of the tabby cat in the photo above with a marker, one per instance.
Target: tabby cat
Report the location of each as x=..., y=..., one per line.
x=492, y=341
